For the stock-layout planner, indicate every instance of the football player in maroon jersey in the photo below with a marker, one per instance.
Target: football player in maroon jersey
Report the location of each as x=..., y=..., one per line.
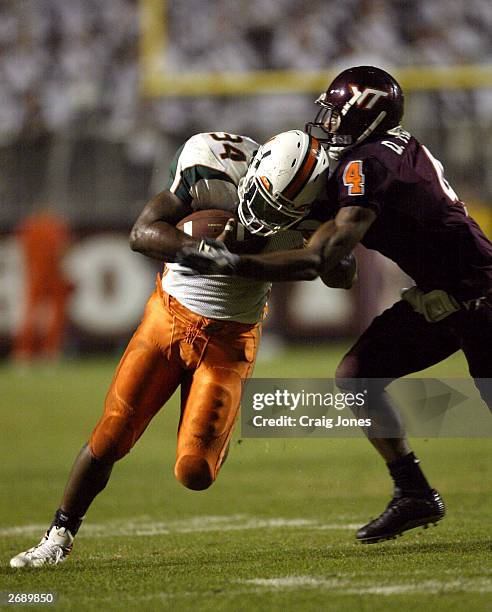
x=388, y=192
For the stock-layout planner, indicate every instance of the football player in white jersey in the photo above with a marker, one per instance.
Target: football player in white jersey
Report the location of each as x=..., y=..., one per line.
x=198, y=332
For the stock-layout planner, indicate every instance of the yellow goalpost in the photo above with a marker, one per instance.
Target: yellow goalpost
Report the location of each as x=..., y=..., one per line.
x=158, y=81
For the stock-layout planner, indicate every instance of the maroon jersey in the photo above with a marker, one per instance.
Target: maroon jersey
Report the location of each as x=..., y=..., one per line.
x=421, y=223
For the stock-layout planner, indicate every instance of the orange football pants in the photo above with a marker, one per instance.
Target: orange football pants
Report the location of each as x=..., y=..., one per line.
x=171, y=347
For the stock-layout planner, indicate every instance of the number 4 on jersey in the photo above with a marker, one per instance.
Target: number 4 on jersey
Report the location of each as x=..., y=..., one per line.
x=353, y=178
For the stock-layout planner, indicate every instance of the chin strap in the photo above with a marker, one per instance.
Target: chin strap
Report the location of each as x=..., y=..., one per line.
x=336, y=152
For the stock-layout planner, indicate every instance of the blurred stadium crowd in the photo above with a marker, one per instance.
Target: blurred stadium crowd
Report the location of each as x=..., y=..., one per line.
x=69, y=74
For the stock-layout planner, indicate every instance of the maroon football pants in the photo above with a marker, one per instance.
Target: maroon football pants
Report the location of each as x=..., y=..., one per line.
x=400, y=341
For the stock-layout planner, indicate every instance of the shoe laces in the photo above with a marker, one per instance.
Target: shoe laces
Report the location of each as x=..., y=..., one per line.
x=46, y=550
x=396, y=507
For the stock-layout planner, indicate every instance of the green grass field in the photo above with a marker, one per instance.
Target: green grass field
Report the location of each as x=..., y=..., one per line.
x=275, y=532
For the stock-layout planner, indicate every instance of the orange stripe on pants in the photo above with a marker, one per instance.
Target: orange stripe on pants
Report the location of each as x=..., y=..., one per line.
x=171, y=347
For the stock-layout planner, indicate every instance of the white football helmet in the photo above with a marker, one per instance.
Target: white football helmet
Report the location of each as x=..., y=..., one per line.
x=284, y=177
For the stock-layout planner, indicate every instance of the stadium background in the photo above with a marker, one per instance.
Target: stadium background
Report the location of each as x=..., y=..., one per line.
x=97, y=96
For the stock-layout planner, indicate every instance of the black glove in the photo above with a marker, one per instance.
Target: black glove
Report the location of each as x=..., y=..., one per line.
x=210, y=257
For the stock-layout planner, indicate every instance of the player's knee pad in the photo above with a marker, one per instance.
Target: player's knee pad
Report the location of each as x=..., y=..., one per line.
x=193, y=472
x=112, y=439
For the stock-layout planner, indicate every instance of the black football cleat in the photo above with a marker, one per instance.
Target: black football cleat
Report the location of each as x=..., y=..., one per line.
x=403, y=513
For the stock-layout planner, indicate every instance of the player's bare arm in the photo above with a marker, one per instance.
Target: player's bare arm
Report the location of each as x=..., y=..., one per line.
x=343, y=274
x=328, y=251
x=336, y=239
x=340, y=274
x=327, y=254
x=154, y=233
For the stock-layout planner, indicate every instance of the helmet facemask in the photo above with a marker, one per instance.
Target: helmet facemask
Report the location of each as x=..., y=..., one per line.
x=332, y=120
x=264, y=213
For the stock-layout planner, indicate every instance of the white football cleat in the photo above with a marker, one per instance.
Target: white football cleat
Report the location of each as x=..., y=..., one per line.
x=54, y=548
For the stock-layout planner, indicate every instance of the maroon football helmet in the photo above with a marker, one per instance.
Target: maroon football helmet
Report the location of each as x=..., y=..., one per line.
x=361, y=101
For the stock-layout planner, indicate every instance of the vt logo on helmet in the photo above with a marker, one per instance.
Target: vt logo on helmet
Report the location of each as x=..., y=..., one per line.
x=367, y=98
x=359, y=102
x=284, y=177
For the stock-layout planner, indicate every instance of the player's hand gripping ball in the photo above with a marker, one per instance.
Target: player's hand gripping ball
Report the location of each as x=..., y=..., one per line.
x=212, y=224
x=217, y=230
x=210, y=257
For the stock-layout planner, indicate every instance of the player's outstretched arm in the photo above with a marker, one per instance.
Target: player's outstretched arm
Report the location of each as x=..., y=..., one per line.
x=326, y=255
x=336, y=243
x=328, y=249
x=154, y=234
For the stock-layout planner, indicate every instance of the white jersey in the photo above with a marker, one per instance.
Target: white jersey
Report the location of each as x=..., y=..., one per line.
x=206, y=171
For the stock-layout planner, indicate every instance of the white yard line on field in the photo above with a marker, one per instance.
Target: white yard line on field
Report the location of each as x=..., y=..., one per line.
x=344, y=586
x=335, y=586
x=144, y=526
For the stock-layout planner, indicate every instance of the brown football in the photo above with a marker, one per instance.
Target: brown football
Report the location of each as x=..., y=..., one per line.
x=205, y=223
x=210, y=223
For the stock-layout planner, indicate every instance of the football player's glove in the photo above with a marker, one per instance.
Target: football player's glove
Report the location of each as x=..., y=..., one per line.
x=210, y=257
